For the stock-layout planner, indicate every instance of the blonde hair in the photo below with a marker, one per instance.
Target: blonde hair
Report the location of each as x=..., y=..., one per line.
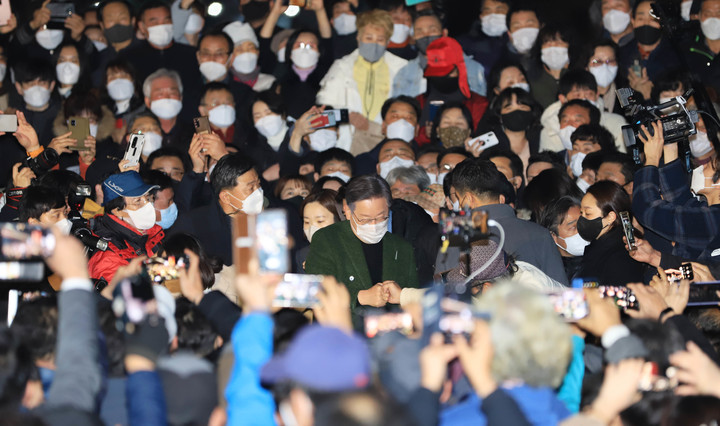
x=377, y=17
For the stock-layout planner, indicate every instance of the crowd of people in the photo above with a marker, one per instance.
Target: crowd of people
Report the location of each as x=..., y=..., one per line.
x=496, y=237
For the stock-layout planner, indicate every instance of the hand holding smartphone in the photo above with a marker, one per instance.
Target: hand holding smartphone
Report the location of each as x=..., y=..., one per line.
x=80, y=128
x=134, y=149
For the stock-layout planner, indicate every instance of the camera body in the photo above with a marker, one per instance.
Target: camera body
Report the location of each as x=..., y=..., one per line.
x=45, y=161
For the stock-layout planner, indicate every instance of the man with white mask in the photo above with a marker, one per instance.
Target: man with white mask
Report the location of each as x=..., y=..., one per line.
x=394, y=153
x=488, y=36
x=35, y=81
x=244, y=58
x=560, y=218
x=45, y=207
x=163, y=92
x=702, y=53
x=523, y=26
x=400, y=41
x=48, y=38
x=343, y=18
x=616, y=21
x=218, y=105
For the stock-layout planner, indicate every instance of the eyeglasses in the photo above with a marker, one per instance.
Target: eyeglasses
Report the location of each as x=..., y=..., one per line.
x=138, y=202
x=599, y=62
x=302, y=45
x=204, y=54
x=368, y=221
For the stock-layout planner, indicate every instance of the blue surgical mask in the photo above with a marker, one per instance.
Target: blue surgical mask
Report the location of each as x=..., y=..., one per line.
x=168, y=216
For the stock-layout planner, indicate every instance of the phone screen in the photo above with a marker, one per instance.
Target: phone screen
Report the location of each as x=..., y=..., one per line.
x=272, y=241
x=23, y=241
x=569, y=304
x=298, y=291
x=704, y=294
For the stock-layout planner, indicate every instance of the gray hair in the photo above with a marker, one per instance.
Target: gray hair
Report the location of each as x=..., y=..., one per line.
x=366, y=187
x=162, y=72
x=413, y=175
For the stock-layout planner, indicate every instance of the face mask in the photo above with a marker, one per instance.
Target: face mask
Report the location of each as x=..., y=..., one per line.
x=153, y=142
x=444, y=85
x=118, y=33
x=222, y=116
x=423, y=43
x=400, y=129
x=524, y=38
x=93, y=130
x=64, y=226
x=168, y=216
x=524, y=86
x=281, y=55
x=160, y=35
x=67, y=72
x=270, y=125
x=121, y=89
x=574, y=245
x=194, y=24
x=433, y=178
x=565, y=134
x=99, y=45
x=213, y=71
x=393, y=163
x=604, y=74
x=400, y=33
x=143, y=218
x=166, y=108
x=304, y=58
x=647, y=35
x=323, y=139
x=456, y=206
x=685, y=7
x=245, y=63
x=576, y=163
x=616, y=21
x=494, y=24
x=36, y=96
x=371, y=233
x=711, y=28
x=554, y=57
x=700, y=144
x=49, y=39
x=371, y=52
x=309, y=231
x=582, y=184
x=517, y=121
x=588, y=229
x=253, y=204
x=345, y=24
x=340, y=175
x=453, y=136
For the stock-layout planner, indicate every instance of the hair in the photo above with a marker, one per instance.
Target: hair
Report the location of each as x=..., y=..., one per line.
x=115, y=203
x=81, y=101
x=318, y=185
x=214, y=86
x=635, y=6
x=707, y=320
x=34, y=69
x=479, y=177
x=120, y=64
x=548, y=157
x=156, y=177
x=593, y=112
x=275, y=103
x=194, y=331
x=516, y=164
x=401, y=99
x=162, y=72
x=166, y=151
x=341, y=409
x=333, y=154
x=555, y=212
x=427, y=13
x=366, y=187
x=209, y=266
x=220, y=34
x=434, y=138
x=611, y=197
x=387, y=141
x=669, y=81
x=293, y=38
x=627, y=165
x=454, y=150
x=518, y=316
x=380, y=18
x=577, y=78
x=596, y=134
x=413, y=175
x=593, y=160
x=496, y=73
x=551, y=32
x=326, y=198
x=546, y=188
x=102, y=5
x=152, y=4
x=64, y=182
x=83, y=80
x=36, y=326
x=494, y=113
x=228, y=169
x=284, y=180
x=38, y=200
x=589, y=51
x=17, y=368
x=521, y=6
x=142, y=114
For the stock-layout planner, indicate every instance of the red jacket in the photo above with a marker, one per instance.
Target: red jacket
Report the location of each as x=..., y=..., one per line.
x=477, y=105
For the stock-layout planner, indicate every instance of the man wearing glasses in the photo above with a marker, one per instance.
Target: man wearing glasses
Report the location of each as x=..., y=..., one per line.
x=360, y=252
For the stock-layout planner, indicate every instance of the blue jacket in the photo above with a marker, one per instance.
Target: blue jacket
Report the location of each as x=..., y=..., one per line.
x=145, y=399
x=410, y=81
x=569, y=392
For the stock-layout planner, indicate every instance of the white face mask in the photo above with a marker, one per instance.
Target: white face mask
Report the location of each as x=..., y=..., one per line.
x=93, y=130
x=121, y=89
x=49, y=39
x=304, y=58
x=711, y=28
x=222, y=116
x=340, y=175
x=371, y=233
x=166, y=108
x=194, y=24
x=400, y=33
x=456, y=206
x=323, y=139
x=99, y=45
x=494, y=24
x=345, y=24
x=576, y=163
x=64, y=226
x=281, y=55
x=700, y=144
x=213, y=71
x=393, y=163
x=143, y=218
x=270, y=125
x=153, y=142
x=36, y=96
x=441, y=177
x=67, y=72
x=253, y=204
x=616, y=21
x=582, y=184
x=685, y=7
x=574, y=245
x=433, y=178
x=699, y=181
x=160, y=35
x=245, y=63
x=604, y=74
x=565, y=134
x=554, y=57
x=310, y=231
x=400, y=129
x=524, y=86
x=524, y=38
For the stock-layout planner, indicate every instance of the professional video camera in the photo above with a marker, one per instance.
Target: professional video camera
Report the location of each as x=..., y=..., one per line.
x=675, y=127
x=43, y=162
x=81, y=230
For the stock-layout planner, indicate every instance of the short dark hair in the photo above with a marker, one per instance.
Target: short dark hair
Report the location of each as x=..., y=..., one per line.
x=592, y=109
x=479, y=177
x=228, y=169
x=156, y=177
x=333, y=154
x=275, y=103
x=610, y=196
x=34, y=69
x=550, y=32
x=36, y=325
x=669, y=81
x=579, y=78
x=596, y=134
x=548, y=157
x=554, y=213
x=63, y=181
x=80, y=101
x=401, y=99
x=194, y=331
x=522, y=6
x=37, y=200
x=627, y=165
x=167, y=151
x=115, y=203
x=494, y=112
x=107, y=2
x=593, y=160
x=143, y=114
x=328, y=199
x=454, y=150
x=496, y=72
x=318, y=185
x=152, y=4
x=176, y=245
x=547, y=187
x=516, y=164
x=124, y=65
x=213, y=86
x=220, y=34
x=366, y=187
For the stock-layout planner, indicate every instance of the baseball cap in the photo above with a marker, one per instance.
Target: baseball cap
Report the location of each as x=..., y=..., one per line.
x=240, y=32
x=125, y=184
x=324, y=359
x=443, y=55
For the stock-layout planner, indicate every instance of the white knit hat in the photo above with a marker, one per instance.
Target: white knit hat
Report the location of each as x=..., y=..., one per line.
x=240, y=32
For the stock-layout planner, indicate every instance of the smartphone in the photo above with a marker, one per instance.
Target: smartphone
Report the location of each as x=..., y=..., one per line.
x=385, y=323
x=704, y=294
x=298, y=291
x=433, y=108
x=298, y=3
x=8, y=122
x=134, y=149
x=243, y=229
x=162, y=269
x=5, y=12
x=22, y=271
x=569, y=304
x=202, y=125
x=272, y=242
x=80, y=128
x=651, y=379
x=684, y=273
x=135, y=293
x=636, y=68
x=628, y=230
x=486, y=140
x=22, y=241
x=623, y=296
x=59, y=11
x=323, y=120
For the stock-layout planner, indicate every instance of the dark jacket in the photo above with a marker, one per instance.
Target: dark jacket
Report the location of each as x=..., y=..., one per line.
x=417, y=228
x=607, y=260
x=483, y=48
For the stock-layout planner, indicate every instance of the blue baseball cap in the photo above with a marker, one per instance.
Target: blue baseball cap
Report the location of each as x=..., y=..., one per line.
x=125, y=184
x=324, y=359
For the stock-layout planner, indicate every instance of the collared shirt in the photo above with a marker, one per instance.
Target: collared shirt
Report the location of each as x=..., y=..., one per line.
x=373, y=82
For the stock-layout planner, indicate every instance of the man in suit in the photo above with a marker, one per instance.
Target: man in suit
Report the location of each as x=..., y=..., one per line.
x=373, y=263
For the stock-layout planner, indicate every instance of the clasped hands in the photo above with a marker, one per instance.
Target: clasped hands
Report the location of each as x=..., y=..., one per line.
x=380, y=294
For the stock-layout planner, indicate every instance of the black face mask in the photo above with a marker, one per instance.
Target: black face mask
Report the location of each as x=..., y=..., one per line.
x=255, y=10
x=589, y=229
x=647, y=35
x=444, y=84
x=296, y=201
x=517, y=121
x=423, y=43
x=118, y=33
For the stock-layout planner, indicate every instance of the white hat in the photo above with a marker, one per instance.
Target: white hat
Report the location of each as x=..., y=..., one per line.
x=240, y=32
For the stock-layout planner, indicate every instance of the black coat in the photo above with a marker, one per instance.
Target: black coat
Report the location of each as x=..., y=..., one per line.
x=607, y=260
